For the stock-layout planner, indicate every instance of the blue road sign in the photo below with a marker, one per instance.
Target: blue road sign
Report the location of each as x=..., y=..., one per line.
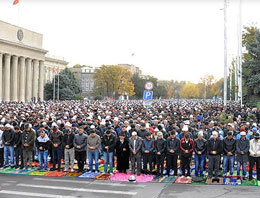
x=148, y=95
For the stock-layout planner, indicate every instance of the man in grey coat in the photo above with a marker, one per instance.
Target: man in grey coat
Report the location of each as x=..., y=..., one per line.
x=135, y=145
x=80, y=145
x=242, y=148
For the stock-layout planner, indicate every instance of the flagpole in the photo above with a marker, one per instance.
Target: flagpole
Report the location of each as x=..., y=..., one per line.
x=54, y=87
x=58, y=90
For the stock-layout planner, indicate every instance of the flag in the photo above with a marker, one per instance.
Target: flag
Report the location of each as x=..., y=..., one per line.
x=53, y=70
x=15, y=2
x=58, y=69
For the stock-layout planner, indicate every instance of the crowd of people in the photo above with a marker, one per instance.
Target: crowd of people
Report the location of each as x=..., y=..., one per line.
x=137, y=138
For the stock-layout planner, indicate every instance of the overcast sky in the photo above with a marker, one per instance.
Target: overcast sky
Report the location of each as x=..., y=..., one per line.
x=177, y=39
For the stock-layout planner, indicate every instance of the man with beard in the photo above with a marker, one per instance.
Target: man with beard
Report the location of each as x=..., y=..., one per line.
x=172, y=146
x=122, y=153
x=229, y=148
x=186, y=146
x=142, y=132
x=56, y=138
x=135, y=145
x=28, y=139
x=214, y=148
x=160, y=148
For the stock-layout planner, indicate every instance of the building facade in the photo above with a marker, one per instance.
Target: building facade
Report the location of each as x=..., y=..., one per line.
x=134, y=69
x=22, y=64
x=85, y=75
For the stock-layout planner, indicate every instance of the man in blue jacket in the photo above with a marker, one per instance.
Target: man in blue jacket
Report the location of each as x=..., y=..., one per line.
x=147, y=149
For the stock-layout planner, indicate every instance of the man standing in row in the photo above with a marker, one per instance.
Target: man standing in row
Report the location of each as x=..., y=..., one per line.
x=214, y=148
x=93, y=144
x=80, y=145
x=8, y=141
x=242, y=148
x=135, y=145
x=254, y=156
x=28, y=139
x=108, y=144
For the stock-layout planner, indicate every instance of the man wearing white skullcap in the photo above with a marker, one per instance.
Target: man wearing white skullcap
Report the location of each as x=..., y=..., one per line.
x=215, y=149
x=200, y=150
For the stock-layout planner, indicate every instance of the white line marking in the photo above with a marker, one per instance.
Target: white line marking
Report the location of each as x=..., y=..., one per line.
x=79, y=189
x=33, y=194
x=87, y=182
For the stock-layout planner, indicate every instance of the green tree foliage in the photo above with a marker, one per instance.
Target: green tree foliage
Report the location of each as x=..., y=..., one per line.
x=251, y=64
x=68, y=87
x=159, y=91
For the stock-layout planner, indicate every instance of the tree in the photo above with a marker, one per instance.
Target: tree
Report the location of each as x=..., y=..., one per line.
x=189, y=90
x=68, y=86
x=251, y=64
x=172, y=87
x=113, y=79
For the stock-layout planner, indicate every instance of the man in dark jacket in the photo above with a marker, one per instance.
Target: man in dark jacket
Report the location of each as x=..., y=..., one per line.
x=108, y=143
x=242, y=148
x=135, y=146
x=18, y=147
x=186, y=146
x=200, y=148
x=56, y=137
x=160, y=148
x=229, y=149
x=172, y=146
x=122, y=153
x=68, y=140
x=8, y=141
x=214, y=148
x=147, y=149
x=28, y=139
x=142, y=132
x=80, y=145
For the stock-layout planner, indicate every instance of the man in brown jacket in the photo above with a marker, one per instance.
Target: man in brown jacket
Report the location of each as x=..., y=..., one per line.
x=28, y=139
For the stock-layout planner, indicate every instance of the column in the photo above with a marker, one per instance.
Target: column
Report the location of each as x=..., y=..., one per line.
x=28, y=95
x=7, y=61
x=35, y=79
x=41, y=79
x=1, y=76
x=14, y=78
x=22, y=80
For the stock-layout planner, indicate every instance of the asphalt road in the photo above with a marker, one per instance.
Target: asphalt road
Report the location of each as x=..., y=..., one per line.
x=14, y=186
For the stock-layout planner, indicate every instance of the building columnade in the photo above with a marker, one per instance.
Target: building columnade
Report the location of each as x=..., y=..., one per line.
x=22, y=64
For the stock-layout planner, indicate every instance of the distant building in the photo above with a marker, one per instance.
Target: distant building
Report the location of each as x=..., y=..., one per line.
x=134, y=69
x=25, y=66
x=53, y=64
x=85, y=75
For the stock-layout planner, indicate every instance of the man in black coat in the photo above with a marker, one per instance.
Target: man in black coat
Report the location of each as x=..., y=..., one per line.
x=173, y=147
x=160, y=149
x=108, y=143
x=215, y=149
x=18, y=148
x=229, y=148
x=122, y=153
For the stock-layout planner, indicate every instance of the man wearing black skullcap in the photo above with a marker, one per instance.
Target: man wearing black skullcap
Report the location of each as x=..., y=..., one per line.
x=122, y=153
x=69, y=153
x=172, y=146
x=186, y=146
x=147, y=149
x=109, y=143
x=229, y=148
